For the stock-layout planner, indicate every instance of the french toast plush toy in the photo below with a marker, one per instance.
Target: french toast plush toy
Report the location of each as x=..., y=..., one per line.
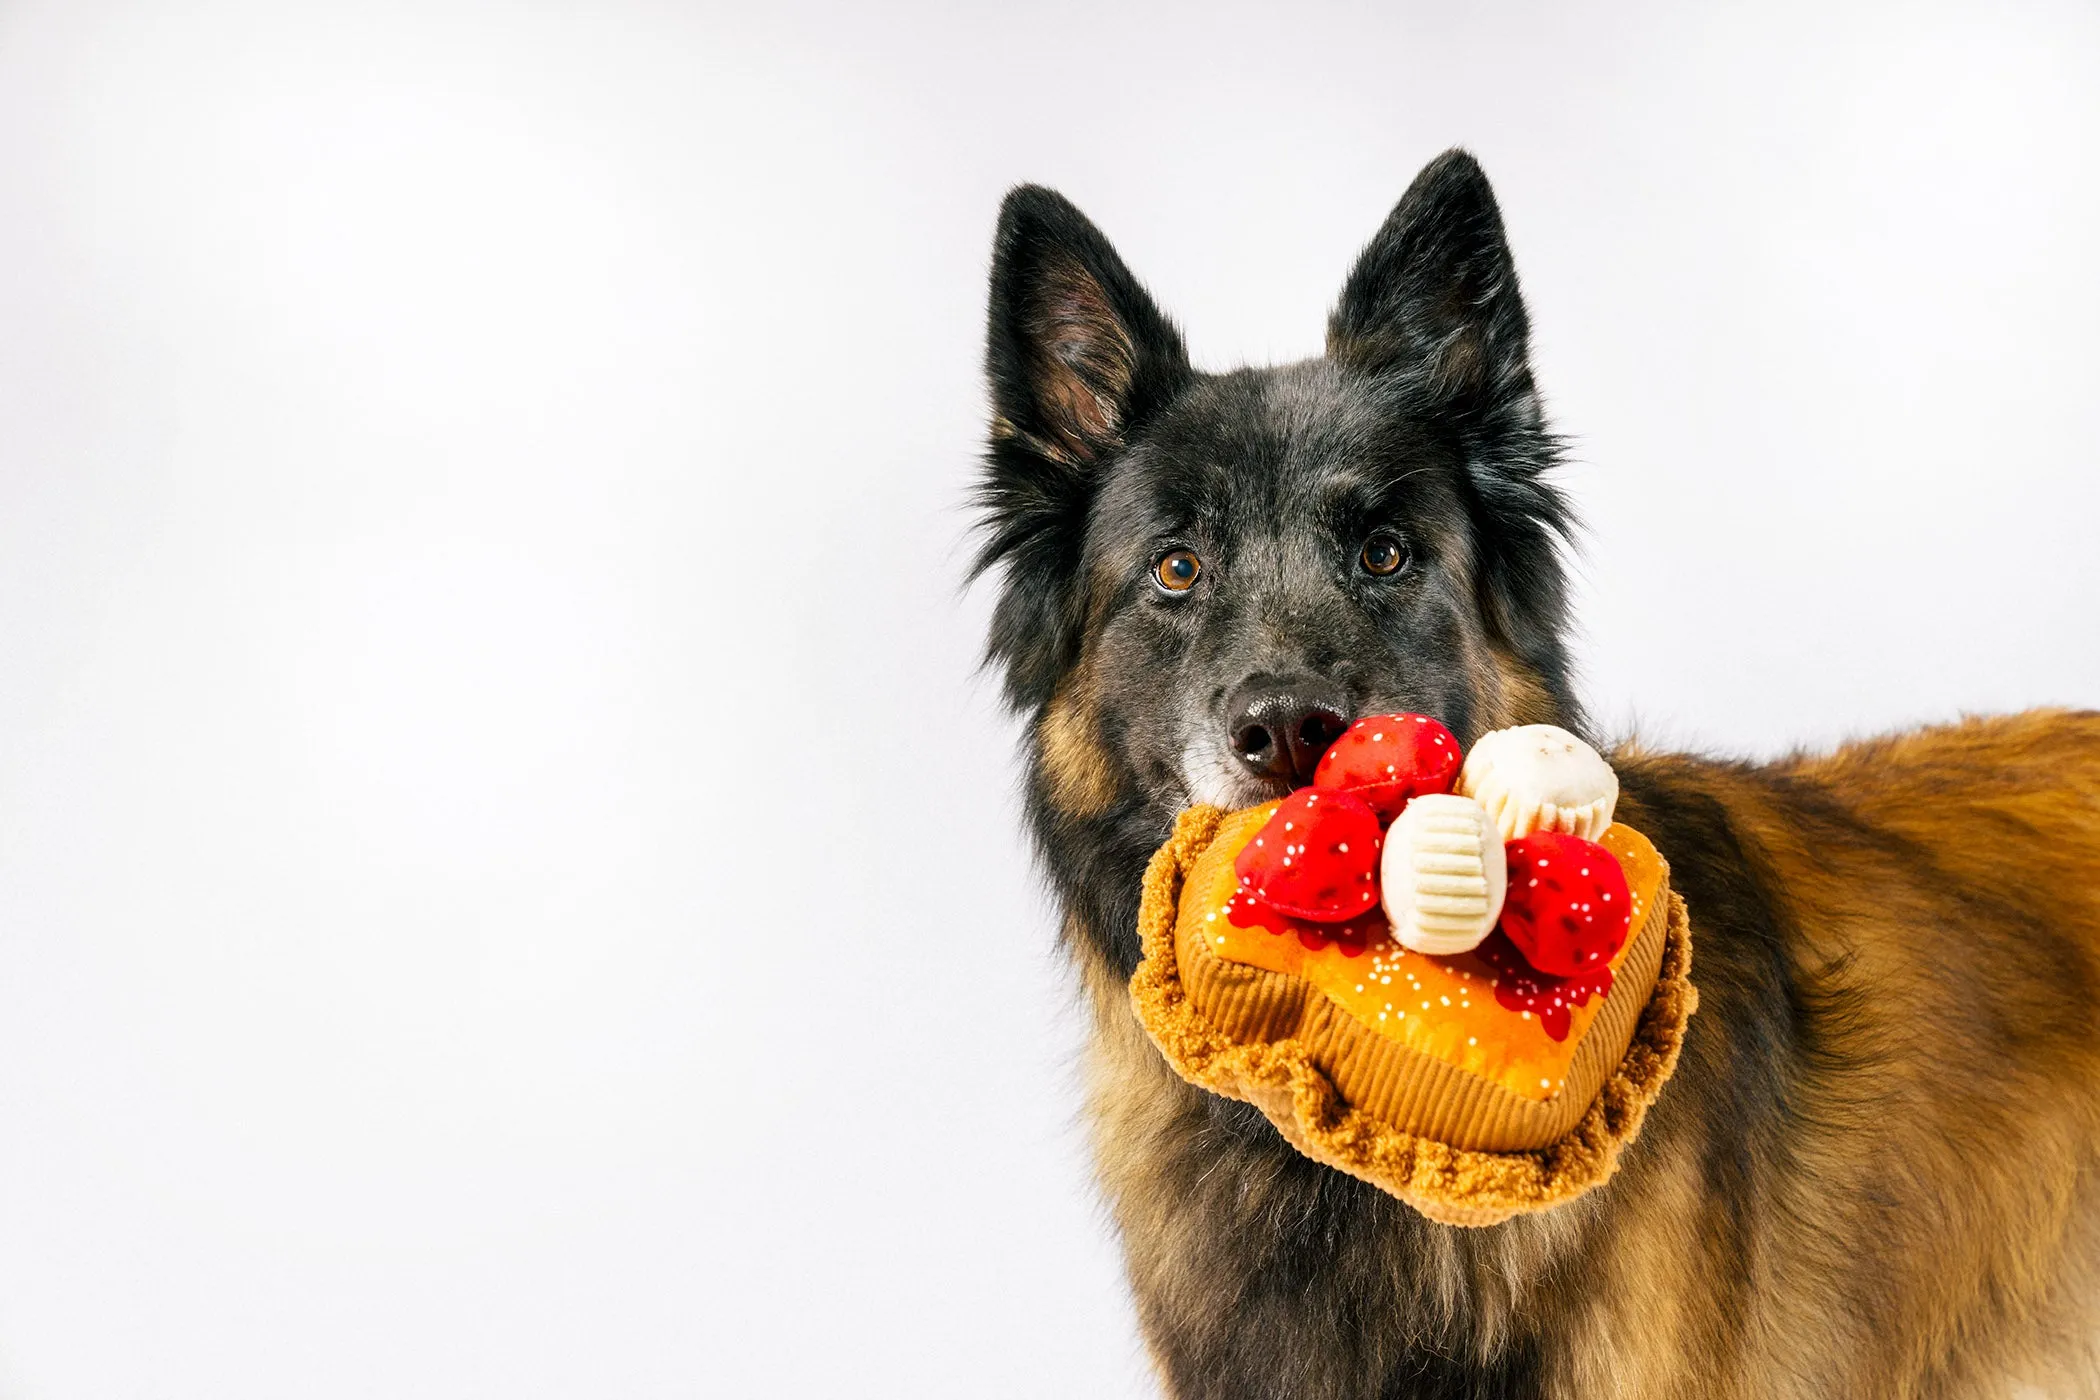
x=1452, y=976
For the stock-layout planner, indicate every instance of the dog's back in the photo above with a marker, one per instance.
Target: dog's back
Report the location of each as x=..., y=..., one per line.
x=1881, y=1147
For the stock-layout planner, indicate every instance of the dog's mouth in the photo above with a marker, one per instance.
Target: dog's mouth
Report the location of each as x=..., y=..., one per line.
x=1211, y=774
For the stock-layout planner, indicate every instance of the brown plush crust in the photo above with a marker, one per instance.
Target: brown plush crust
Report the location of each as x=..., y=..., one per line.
x=1452, y=1185
x=1390, y=1077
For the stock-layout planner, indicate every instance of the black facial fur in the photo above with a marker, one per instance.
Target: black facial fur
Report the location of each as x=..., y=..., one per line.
x=1421, y=425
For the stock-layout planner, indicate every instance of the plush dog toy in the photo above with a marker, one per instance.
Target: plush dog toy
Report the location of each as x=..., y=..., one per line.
x=1452, y=976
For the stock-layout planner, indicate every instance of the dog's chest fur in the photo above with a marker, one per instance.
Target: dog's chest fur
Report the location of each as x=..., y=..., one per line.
x=1260, y=1273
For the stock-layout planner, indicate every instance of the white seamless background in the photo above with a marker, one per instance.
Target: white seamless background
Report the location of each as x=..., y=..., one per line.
x=510, y=881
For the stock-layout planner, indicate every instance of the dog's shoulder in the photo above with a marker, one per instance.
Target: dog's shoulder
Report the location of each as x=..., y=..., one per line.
x=2001, y=811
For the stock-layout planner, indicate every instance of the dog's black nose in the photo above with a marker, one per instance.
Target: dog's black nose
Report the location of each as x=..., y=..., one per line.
x=1279, y=728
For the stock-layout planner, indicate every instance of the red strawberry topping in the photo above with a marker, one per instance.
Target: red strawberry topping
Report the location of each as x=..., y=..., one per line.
x=1521, y=987
x=1317, y=858
x=1568, y=908
x=1351, y=938
x=1387, y=759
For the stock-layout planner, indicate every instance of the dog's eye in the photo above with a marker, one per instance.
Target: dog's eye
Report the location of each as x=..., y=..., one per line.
x=1176, y=571
x=1384, y=555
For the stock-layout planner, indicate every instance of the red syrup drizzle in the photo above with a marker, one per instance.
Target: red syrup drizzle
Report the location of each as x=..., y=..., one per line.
x=1247, y=910
x=1522, y=987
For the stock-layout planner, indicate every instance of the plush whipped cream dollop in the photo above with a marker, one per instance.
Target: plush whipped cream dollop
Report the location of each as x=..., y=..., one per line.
x=1444, y=874
x=1539, y=777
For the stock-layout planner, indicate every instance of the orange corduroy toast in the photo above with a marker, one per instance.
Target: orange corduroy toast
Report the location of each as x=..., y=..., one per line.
x=1467, y=1084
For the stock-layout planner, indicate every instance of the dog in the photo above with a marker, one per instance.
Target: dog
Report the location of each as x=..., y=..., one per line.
x=1876, y=1171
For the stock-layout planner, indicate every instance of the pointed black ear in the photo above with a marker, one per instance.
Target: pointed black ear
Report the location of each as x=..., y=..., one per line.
x=1435, y=292
x=1076, y=351
x=1078, y=358
x=1433, y=300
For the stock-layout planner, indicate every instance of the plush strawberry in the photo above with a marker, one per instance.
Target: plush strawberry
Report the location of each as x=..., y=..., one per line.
x=1568, y=908
x=1317, y=858
x=1387, y=759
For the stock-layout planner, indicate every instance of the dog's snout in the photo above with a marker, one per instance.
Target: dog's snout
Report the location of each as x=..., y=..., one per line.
x=1279, y=727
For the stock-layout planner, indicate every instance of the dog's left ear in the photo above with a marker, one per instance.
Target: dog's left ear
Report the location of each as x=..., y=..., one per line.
x=1436, y=292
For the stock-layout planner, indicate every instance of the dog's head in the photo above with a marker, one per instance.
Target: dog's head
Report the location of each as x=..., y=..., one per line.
x=1205, y=577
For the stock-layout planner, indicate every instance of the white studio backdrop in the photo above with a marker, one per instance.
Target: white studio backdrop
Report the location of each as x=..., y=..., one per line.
x=510, y=883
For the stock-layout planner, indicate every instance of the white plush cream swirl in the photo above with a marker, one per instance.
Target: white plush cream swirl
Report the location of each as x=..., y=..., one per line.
x=1539, y=777
x=1443, y=874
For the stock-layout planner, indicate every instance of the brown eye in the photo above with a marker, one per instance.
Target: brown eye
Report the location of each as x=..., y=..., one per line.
x=1176, y=572
x=1383, y=555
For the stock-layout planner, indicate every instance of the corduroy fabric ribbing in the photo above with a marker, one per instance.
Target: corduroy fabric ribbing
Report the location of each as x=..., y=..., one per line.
x=1460, y=1149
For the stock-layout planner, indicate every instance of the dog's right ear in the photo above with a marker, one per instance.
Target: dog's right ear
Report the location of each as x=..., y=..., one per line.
x=1076, y=352
x=1078, y=357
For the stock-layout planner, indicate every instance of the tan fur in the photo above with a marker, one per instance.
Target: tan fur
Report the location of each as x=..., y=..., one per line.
x=1926, y=1220
x=1516, y=694
x=1080, y=778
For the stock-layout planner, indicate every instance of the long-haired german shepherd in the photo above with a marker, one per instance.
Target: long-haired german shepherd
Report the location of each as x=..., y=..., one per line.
x=1877, y=1170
